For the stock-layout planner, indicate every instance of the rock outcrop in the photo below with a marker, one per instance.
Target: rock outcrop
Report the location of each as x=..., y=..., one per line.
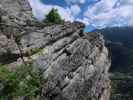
x=75, y=63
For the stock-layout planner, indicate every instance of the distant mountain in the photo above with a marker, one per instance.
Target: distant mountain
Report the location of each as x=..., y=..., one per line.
x=119, y=34
x=119, y=40
x=120, y=43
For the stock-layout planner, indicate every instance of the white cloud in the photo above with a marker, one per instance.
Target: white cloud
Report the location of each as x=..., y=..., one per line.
x=125, y=2
x=100, y=7
x=84, y=20
x=75, y=1
x=106, y=13
x=82, y=1
x=75, y=9
x=40, y=10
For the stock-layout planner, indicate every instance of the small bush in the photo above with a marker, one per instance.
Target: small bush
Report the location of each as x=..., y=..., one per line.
x=35, y=51
x=53, y=17
x=25, y=81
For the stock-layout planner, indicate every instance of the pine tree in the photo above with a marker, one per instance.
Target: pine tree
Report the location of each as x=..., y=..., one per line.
x=53, y=17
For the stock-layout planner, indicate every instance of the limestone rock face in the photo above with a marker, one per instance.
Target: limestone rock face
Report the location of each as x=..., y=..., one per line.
x=15, y=11
x=75, y=63
x=76, y=67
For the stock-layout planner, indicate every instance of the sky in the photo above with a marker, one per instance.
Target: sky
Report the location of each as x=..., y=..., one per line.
x=96, y=14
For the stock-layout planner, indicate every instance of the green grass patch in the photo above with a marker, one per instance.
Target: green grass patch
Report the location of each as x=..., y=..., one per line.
x=25, y=81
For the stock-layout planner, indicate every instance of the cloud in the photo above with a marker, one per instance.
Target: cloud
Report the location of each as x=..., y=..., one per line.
x=75, y=9
x=40, y=10
x=75, y=1
x=110, y=13
x=99, y=14
x=84, y=20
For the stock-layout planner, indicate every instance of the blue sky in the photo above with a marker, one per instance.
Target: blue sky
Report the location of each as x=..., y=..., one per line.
x=94, y=13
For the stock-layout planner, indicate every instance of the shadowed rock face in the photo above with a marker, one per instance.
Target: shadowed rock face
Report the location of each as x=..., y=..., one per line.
x=75, y=63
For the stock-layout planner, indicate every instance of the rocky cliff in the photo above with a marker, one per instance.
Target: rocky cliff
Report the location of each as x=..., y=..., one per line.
x=75, y=63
